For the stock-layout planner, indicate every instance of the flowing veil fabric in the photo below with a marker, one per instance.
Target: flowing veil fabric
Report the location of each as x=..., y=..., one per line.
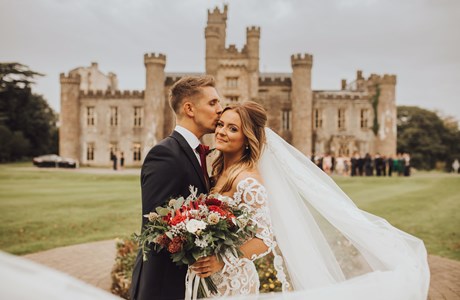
x=332, y=249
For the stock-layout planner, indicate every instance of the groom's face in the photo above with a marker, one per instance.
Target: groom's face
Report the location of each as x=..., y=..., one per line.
x=207, y=109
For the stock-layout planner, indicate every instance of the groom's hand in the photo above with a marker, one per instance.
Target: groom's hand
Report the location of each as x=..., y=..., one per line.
x=206, y=266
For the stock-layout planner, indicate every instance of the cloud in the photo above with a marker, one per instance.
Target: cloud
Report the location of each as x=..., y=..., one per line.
x=418, y=40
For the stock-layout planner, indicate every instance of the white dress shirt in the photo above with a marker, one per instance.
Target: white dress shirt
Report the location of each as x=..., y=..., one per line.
x=191, y=139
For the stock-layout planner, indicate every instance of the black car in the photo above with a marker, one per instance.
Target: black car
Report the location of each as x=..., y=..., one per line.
x=54, y=161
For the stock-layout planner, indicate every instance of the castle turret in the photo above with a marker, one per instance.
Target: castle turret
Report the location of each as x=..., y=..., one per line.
x=385, y=88
x=302, y=103
x=215, y=34
x=69, y=133
x=252, y=47
x=154, y=99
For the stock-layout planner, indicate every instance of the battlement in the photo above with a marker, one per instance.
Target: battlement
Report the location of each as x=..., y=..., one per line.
x=339, y=95
x=253, y=31
x=70, y=78
x=171, y=78
x=233, y=65
x=155, y=58
x=127, y=94
x=275, y=79
x=385, y=79
x=216, y=16
x=301, y=59
x=232, y=49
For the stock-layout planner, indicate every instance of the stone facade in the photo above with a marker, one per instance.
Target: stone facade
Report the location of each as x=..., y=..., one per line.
x=97, y=118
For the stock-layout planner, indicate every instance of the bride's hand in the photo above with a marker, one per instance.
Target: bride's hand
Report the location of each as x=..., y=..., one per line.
x=206, y=266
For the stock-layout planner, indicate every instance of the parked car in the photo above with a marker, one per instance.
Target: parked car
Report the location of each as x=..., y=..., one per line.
x=54, y=161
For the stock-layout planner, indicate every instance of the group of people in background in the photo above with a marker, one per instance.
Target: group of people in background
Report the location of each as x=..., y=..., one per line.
x=368, y=165
x=118, y=160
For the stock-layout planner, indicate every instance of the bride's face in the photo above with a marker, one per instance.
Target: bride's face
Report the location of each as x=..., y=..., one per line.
x=229, y=134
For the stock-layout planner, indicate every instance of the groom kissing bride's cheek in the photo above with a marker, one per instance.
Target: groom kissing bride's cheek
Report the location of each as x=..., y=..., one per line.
x=201, y=234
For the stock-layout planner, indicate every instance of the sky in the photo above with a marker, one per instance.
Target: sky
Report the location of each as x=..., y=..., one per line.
x=417, y=40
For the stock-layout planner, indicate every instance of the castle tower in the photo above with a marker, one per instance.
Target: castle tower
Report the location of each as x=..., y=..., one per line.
x=69, y=133
x=215, y=34
x=387, y=114
x=302, y=103
x=252, y=47
x=154, y=99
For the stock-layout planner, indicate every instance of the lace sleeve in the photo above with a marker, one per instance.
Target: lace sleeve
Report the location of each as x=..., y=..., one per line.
x=251, y=193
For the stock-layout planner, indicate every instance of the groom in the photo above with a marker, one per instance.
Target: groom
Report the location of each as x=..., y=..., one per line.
x=169, y=169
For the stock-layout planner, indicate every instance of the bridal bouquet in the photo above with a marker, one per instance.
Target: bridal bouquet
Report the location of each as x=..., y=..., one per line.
x=197, y=226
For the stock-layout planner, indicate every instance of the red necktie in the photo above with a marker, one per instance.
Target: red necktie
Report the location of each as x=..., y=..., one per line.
x=203, y=150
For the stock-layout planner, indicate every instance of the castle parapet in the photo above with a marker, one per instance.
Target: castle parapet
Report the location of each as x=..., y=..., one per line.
x=155, y=58
x=253, y=31
x=275, y=79
x=69, y=79
x=126, y=94
x=385, y=79
x=216, y=16
x=301, y=59
x=339, y=95
x=388, y=79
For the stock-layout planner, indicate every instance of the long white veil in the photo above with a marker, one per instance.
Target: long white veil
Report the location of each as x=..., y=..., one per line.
x=331, y=248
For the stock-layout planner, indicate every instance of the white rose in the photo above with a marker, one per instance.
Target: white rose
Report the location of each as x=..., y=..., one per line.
x=172, y=202
x=213, y=218
x=194, y=225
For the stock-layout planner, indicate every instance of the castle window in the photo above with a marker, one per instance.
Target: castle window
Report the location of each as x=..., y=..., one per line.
x=137, y=152
x=364, y=118
x=90, y=116
x=232, y=82
x=318, y=118
x=90, y=151
x=113, y=116
x=286, y=119
x=138, y=112
x=341, y=119
x=232, y=99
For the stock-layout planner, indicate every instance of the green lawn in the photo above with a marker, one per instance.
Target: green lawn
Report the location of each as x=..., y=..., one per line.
x=426, y=205
x=43, y=209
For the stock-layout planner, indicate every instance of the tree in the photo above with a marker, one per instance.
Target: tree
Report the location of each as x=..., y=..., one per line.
x=424, y=135
x=29, y=119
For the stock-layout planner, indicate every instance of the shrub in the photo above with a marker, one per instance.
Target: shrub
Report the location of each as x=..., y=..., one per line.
x=122, y=270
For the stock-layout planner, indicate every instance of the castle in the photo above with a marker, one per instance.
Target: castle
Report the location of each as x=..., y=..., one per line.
x=97, y=118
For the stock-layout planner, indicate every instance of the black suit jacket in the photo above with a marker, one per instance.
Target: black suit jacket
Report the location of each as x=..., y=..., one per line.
x=168, y=170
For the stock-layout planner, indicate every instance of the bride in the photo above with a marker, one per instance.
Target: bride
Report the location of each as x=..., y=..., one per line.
x=324, y=247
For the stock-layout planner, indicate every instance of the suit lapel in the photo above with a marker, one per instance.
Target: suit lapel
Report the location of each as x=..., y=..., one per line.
x=190, y=154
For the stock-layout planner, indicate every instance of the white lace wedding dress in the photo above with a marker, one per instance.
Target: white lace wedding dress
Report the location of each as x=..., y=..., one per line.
x=330, y=248
x=239, y=275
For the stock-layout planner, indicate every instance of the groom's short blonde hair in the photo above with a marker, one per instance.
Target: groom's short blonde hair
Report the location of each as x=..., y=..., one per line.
x=188, y=87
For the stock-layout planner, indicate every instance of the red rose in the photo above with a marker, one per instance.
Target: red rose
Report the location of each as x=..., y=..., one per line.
x=177, y=219
x=218, y=210
x=213, y=201
x=175, y=245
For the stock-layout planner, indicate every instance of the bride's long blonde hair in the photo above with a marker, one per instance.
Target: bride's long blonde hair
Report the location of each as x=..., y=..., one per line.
x=253, y=119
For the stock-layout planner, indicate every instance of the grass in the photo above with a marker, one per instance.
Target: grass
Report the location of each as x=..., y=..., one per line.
x=426, y=205
x=43, y=209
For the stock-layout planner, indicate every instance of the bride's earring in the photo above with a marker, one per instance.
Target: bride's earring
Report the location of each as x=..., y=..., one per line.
x=247, y=147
